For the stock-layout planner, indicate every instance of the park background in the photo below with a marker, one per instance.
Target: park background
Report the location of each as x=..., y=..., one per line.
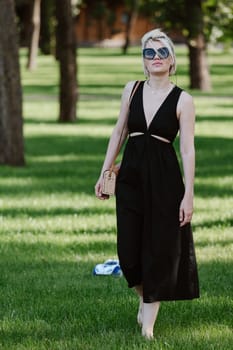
x=53, y=229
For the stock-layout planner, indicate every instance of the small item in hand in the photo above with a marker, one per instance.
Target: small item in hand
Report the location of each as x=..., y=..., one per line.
x=109, y=176
x=109, y=181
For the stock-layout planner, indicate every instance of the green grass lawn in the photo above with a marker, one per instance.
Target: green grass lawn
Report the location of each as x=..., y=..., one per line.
x=53, y=229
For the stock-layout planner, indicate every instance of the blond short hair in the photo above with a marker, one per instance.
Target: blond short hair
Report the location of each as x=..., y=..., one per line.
x=158, y=35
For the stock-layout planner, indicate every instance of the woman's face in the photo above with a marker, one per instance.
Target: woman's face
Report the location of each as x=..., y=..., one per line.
x=157, y=65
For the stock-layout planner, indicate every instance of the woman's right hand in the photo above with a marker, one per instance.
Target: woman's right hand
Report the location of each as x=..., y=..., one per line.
x=98, y=189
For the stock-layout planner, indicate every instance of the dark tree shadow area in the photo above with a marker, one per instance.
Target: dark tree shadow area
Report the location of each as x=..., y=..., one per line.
x=59, y=164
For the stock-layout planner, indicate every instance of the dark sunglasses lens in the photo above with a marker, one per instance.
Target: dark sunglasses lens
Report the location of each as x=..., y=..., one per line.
x=163, y=52
x=149, y=54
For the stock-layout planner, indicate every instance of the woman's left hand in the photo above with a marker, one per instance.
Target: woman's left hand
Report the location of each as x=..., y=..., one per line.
x=186, y=210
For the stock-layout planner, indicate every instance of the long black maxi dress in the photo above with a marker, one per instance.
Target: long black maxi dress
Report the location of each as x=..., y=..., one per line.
x=153, y=249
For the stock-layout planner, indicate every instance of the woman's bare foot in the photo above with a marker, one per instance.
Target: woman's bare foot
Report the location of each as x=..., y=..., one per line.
x=150, y=312
x=148, y=334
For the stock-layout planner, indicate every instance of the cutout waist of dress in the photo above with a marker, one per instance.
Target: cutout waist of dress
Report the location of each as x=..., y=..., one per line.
x=138, y=133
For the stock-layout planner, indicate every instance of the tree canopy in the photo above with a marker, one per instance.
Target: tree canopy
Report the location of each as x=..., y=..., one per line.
x=217, y=17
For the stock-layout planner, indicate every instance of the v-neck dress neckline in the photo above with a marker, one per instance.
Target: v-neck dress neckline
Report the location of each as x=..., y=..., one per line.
x=158, y=110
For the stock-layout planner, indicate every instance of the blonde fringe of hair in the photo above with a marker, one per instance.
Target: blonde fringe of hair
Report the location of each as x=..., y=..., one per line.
x=158, y=35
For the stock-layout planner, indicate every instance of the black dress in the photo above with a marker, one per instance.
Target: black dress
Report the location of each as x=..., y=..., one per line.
x=153, y=249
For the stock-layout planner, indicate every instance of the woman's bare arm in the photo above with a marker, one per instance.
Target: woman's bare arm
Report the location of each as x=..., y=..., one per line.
x=115, y=137
x=186, y=114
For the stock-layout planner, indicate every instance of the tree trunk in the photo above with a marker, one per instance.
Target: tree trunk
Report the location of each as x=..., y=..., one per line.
x=130, y=18
x=47, y=27
x=24, y=14
x=33, y=47
x=127, y=33
x=66, y=52
x=198, y=66
x=11, y=130
x=100, y=29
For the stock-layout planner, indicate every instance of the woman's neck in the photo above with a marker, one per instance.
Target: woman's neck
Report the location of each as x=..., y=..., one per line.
x=159, y=83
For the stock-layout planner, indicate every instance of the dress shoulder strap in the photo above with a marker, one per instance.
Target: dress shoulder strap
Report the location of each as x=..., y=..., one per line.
x=134, y=86
x=137, y=83
x=178, y=90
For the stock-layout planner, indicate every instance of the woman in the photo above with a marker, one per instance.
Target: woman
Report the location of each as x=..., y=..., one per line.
x=154, y=207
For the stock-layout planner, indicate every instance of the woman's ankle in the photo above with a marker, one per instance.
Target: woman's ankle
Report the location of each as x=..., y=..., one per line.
x=150, y=312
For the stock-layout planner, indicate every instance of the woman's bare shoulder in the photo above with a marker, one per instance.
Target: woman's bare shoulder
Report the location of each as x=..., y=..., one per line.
x=127, y=90
x=185, y=98
x=129, y=86
x=185, y=101
x=185, y=105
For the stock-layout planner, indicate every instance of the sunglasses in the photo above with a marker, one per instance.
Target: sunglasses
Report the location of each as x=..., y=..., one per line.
x=150, y=54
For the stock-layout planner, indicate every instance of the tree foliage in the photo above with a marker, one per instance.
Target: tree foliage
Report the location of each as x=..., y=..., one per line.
x=217, y=17
x=218, y=20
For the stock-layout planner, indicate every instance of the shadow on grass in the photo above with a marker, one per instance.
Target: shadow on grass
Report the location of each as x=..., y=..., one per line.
x=209, y=118
x=86, y=121
x=216, y=69
x=99, y=121
x=44, y=121
x=52, y=89
x=33, y=256
x=213, y=156
x=53, y=212
x=44, y=89
x=226, y=222
x=224, y=243
x=220, y=69
x=72, y=164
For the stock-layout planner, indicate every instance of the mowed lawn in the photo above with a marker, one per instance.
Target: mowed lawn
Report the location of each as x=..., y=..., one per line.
x=53, y=230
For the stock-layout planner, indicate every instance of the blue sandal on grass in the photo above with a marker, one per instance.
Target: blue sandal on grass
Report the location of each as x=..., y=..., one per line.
x=109, y=267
